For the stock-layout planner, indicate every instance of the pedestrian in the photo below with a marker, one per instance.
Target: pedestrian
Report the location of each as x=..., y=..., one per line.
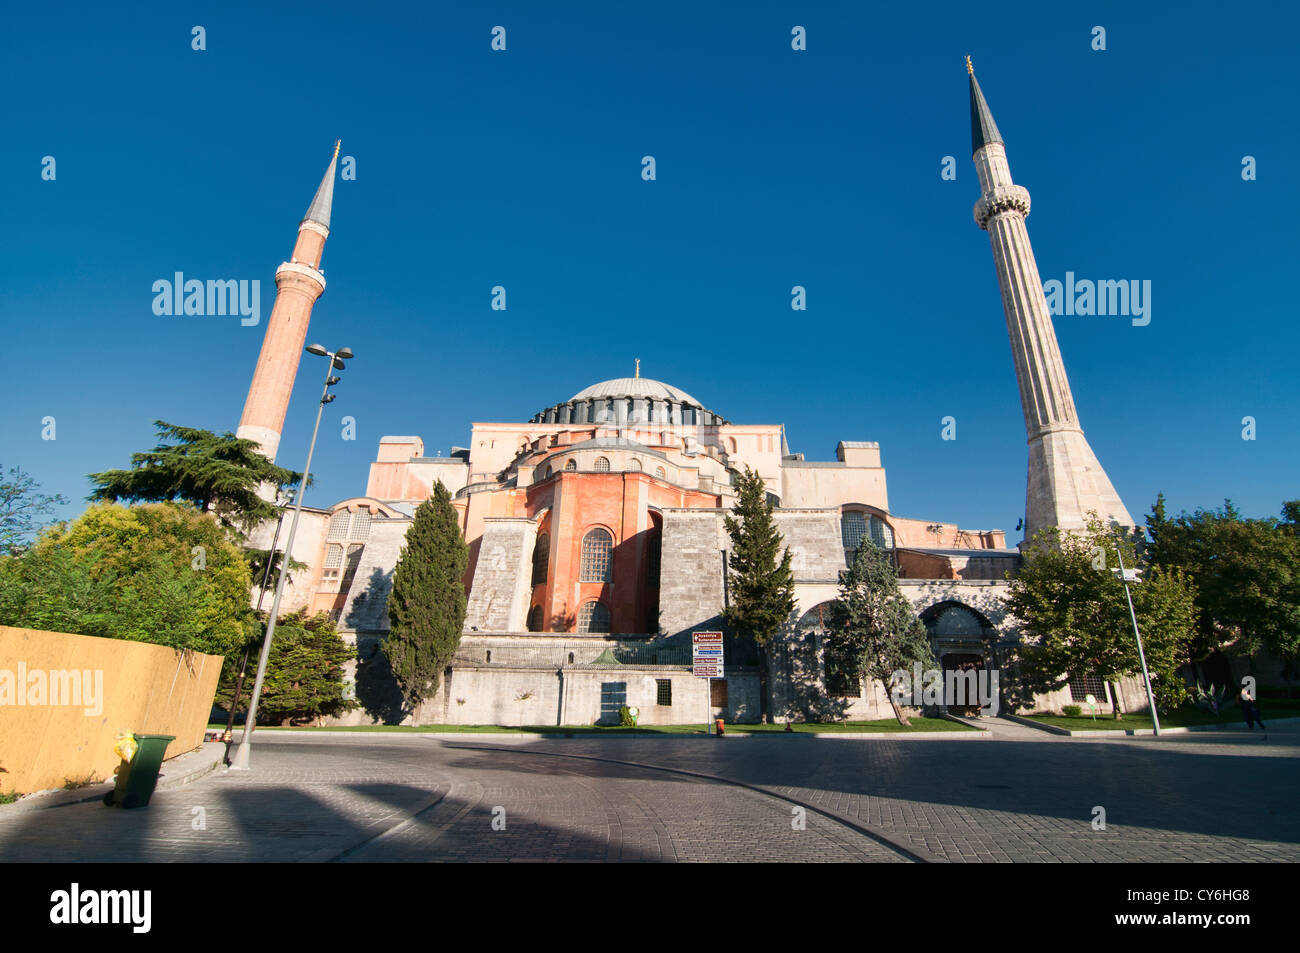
x=1250, y=710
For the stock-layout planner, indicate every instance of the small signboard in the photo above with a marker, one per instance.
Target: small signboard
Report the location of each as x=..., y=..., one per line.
x=706, y=654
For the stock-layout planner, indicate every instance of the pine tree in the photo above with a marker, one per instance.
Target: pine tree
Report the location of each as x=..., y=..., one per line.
x=220, y=472
x=873, y=630
x=427, y=604
x=762, y=588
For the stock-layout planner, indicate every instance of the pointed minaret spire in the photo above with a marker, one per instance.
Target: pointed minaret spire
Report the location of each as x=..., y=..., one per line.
x=1065, y=481
x=983, y=130
x=298, y=284
x=323, y=202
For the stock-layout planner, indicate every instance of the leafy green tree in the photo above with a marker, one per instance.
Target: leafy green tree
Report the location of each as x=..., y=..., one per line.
x=23, y=509
x=426, y=608
x=760, y=580
x=161, y=572
x=873, y=630
x=1246, y=572
x=1070, y=600
x=217, y=472
x=304, y=672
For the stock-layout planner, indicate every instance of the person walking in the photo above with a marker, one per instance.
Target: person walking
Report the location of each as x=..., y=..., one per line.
x=1250, y=710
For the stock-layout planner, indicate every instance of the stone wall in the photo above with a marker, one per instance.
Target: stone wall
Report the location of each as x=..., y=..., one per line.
x=691, y=573
x=501, y=590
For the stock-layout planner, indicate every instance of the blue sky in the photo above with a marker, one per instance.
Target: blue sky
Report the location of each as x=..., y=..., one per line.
x=775, y=168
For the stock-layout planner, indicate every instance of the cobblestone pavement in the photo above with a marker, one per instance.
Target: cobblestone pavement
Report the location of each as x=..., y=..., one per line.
x=1214, y=796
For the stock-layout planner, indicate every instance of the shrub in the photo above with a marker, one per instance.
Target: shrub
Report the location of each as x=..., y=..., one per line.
x=1072, y=711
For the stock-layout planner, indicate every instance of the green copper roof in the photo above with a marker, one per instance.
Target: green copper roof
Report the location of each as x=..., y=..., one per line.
x=606, y=658
x=983, y=129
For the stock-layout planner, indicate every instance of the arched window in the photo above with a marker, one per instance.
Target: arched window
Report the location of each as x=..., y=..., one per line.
x=547, y=473
x=571, y=465
x=881, y=533
x=661, y=473
x=596, y=564
x=602, y=464
x=535, y=619
x=593, y=617
x=541, y=560
x=853, y=529
x=634, y=465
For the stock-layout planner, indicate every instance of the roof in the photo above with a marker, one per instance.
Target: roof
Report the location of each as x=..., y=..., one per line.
x=323, y=202
x=983, y=130
x=636, y=387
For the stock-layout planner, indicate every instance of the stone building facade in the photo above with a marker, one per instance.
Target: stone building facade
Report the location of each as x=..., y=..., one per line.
x=596, y=536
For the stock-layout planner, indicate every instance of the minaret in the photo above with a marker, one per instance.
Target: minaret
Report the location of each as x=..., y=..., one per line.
x=1065, y=480
x=298, y=284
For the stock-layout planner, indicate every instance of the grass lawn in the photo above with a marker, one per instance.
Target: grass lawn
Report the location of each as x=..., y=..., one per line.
x=888, y=725
x=1180, y=718
x=882, y=726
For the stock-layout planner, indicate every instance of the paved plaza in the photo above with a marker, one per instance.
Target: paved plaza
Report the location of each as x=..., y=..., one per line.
x=1021, y=795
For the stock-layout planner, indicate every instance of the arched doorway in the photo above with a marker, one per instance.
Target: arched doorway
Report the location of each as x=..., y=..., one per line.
x=962, y=639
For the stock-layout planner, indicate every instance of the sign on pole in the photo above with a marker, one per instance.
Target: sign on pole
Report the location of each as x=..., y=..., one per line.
x=706, y=662
x=706, y=654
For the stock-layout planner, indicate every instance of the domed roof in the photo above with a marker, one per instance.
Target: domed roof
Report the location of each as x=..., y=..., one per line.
x=636, y=387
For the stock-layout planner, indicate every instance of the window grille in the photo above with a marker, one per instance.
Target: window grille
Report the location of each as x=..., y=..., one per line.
x=663, y=691
x=571, y=465
x=541, y=559
x=596, y=549
x=361, y=523
x=881, y=534
x=602, y=464
x=660, y=473
x=653, y=557
x=1081, y=686
x=339, y=525
x=853, y=529
x=593, y=617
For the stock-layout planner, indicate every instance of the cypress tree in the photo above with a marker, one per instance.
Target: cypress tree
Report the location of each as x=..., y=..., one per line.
x=427, y=605
x=761, y=582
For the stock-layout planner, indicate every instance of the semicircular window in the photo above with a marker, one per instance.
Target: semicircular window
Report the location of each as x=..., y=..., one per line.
x=956, y=621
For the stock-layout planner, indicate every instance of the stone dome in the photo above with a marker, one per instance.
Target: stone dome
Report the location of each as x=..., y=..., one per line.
x=630, y=401
x=636, y=387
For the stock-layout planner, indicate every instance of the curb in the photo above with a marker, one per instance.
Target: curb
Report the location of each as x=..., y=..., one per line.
x=197, y=763
x=565, y=736
x=1135, y=732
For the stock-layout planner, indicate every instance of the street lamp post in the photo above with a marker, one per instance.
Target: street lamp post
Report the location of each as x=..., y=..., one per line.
x=1146, y=678
x=282, y=502
x=336, y=359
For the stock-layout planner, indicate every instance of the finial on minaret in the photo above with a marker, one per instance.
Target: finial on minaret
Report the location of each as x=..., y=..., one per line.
x=323, y=202
x=969, y=69
x=638, y=368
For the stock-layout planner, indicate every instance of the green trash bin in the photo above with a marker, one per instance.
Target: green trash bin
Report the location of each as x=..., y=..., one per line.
x=136, y=778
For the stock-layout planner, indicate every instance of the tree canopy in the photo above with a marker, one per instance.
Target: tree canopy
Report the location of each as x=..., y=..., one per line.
x=305, y=677
x=1070, y=600
x=220, y=472
x=873, y=630
x=23, y=509
x=162, y=573
x=1246, y=572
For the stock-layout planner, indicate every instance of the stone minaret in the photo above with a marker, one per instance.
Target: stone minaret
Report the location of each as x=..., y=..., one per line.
x=1065, y=479
x=298, y=284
